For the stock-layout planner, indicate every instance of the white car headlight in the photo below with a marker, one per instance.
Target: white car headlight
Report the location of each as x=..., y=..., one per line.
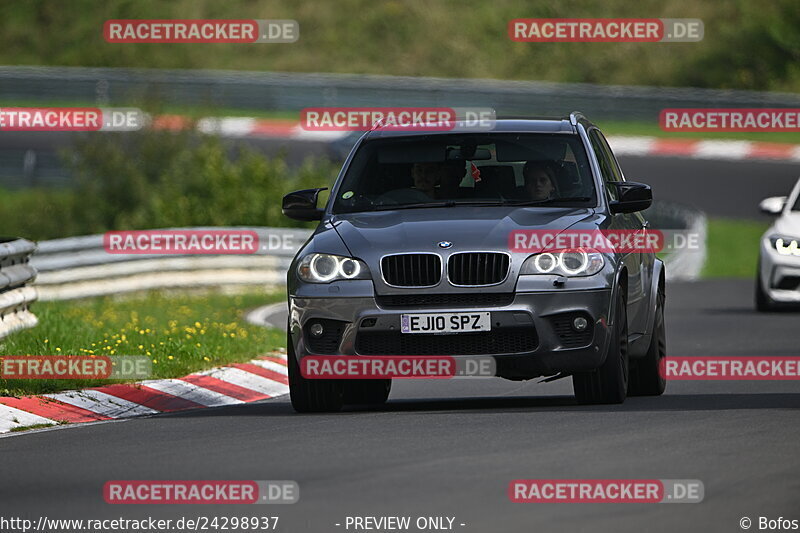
x=569, y=263
x=785, y=245
x=324, y=268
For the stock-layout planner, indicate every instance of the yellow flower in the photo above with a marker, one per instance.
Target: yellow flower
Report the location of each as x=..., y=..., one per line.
x=206, y=359
x=46, y=341
x=141, y=346
x=58, y=349
x=169, y=357
x=198, y=344
x=155, y=361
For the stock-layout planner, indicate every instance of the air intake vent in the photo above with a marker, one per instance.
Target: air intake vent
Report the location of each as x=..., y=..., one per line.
x=562, y=324
x=472, y=299
x=412, y=270
x=477, y=268
x=499, y=341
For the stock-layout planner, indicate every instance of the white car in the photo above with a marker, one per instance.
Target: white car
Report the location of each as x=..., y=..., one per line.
x=778, y=279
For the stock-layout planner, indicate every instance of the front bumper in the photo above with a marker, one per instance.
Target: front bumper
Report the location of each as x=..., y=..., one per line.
x=531, y=334
x=779, y=274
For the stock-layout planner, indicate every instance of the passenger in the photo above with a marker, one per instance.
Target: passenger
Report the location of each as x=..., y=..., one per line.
x=447, y=176
x=426, y=177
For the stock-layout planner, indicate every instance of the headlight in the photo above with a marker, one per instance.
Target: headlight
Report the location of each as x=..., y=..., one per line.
x=324, y=268
x=570, y=263
x=786, y=245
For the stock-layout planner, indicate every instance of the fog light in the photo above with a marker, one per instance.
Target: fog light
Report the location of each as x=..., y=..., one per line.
x=579, y=323
x=315, y=329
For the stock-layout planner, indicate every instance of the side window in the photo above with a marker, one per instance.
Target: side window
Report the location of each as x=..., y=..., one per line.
x=604, y=160
x=612, y=160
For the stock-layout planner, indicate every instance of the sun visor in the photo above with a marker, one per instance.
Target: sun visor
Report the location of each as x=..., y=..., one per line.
x=412, y=152
x=538, y=148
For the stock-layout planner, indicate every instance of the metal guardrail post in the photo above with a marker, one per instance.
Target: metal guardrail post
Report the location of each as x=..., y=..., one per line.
x=16, y=296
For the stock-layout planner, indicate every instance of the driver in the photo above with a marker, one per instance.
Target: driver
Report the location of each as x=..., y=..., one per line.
x=540, y=179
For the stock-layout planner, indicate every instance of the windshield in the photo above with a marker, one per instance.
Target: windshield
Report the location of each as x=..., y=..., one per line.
x=470, y=169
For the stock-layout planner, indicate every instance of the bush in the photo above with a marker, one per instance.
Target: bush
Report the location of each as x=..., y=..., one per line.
x=155, y=179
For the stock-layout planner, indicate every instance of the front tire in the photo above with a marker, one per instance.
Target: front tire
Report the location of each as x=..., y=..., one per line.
x=609, y=383
x=311, y=395
x=646, y=378
x=764, y=303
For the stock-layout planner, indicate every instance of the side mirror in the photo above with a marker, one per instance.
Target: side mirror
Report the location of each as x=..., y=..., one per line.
x=302, y=205
x=632, y=196
x=773, y=205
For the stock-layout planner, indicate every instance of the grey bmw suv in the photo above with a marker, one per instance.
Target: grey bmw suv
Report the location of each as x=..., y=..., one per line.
x=428, y=224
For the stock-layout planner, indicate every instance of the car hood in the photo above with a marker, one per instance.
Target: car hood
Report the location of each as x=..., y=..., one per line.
x=476, y=228
x=788, y=224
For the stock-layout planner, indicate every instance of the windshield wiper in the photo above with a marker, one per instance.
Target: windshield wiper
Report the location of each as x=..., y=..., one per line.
x=452, y=203
x=549, y=201
x=413, y=206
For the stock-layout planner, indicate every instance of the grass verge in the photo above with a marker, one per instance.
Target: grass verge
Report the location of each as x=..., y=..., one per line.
x=181, y=333
x=609, y=127
x=651, y=129
x=732, y=248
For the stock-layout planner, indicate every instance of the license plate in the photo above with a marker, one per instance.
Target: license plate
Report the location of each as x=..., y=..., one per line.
x=446, y=322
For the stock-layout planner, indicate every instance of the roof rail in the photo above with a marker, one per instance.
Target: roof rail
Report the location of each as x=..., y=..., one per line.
x=575, y=116
x=376, y=125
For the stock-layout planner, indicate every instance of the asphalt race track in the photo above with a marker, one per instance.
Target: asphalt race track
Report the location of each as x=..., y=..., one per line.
x=720, y=188
x=451, y=448
x=729, y=189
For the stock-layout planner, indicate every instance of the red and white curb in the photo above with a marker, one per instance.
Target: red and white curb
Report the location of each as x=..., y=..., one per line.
x=262, y=378
x=621, y=144
x=703, y=149
x=249, y=127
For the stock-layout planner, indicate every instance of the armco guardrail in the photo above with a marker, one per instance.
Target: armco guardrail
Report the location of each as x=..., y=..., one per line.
x=16, y=295
x=285, y=91
x=80, y=267
x=687, y=263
